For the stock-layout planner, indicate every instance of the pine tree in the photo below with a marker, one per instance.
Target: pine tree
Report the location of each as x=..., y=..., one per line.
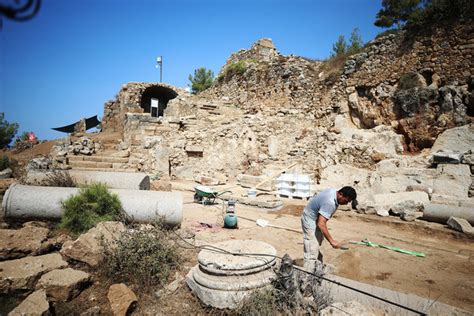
x=340, y=47
x=355, y=42
x=201, y=80
x=396, y=12
x=7, y=131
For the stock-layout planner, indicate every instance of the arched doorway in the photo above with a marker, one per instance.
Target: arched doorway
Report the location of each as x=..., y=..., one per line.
x=155, y=99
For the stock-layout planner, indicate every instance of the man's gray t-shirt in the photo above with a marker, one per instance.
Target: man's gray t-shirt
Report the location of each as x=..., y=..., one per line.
x=324, y=203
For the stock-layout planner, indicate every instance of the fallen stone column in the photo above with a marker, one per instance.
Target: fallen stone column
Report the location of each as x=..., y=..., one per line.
x=441, y=213
x=23, y=201
x=116, y=180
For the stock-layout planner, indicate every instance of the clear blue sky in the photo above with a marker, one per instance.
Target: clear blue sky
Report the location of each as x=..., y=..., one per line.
x=75, y=54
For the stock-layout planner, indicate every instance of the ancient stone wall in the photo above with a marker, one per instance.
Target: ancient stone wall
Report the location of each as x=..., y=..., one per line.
x=128, y=100
x=446, y=52
x=280, y=84
x=276, y=110
x=221, y=141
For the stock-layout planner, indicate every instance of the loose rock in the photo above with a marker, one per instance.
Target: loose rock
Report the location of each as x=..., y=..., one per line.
x=122, y=300
x=22, y=274
x=460, y=224
x=35, y=304
x=88, y=247
x=64, y=284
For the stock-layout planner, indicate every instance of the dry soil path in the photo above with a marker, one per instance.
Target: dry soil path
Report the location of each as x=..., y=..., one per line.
x=446, y=273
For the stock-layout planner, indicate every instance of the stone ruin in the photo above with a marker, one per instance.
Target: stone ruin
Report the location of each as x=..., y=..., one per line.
x=267, y=111
x=282, y=109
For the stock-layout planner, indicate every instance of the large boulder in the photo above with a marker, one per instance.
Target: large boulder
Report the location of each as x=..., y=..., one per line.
x=458, y=139
x=64, y=284
x=400, y=179
x=408, y=210
x=22, y=274
x=453, y=180
x=88, y=248
x=382, y=203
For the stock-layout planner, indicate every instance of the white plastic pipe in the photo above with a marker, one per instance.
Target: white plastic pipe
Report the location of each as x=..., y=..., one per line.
x=24, y=201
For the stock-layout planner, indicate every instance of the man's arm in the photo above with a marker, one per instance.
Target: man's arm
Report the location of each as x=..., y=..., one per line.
x=321, y=222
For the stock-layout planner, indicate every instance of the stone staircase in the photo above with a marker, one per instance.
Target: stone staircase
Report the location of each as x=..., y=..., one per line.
x=108, y=160
x=210, y=108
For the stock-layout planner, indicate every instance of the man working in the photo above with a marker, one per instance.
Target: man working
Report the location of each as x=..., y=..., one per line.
x=314, y=218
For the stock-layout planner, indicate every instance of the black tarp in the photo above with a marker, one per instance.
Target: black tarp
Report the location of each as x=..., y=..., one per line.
x=90, y=123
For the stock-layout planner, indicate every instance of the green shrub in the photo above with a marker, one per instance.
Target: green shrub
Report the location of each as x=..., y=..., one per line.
x=387, y=32
x=93, y=204
x=235, y=68
x=143, y=257
x=4, y=162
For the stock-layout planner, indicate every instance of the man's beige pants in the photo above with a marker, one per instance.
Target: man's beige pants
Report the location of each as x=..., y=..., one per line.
x=312, y=239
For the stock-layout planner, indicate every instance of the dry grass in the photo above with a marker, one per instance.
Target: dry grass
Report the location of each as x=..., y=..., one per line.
x=59, y=178
x=333, y=68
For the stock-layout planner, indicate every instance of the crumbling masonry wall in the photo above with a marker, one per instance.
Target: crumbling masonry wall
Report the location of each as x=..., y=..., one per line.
x=282, y=109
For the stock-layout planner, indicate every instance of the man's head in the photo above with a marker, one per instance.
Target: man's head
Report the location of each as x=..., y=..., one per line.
x=346, y=195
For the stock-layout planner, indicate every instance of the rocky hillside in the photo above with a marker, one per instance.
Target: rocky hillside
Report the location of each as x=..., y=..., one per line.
x=419, y=85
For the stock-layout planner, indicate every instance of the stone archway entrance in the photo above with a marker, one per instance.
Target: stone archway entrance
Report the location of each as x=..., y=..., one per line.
x=155, y=99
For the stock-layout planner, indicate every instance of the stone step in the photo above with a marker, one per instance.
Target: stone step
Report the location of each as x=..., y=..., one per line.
x=105, y=169
x=208, y=106
x=101, y=158
x=90, y=164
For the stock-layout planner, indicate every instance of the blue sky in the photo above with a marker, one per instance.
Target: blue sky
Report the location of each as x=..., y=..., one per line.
x=75, y=55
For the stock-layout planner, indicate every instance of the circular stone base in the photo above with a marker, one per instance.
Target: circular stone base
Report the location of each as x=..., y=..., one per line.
x=223, y=278
x=251, y=256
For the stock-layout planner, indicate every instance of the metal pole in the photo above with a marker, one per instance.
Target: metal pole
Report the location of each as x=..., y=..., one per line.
x=159, y=61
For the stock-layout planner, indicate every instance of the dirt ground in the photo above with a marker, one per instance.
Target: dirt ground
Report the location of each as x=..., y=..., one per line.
x=444, y=274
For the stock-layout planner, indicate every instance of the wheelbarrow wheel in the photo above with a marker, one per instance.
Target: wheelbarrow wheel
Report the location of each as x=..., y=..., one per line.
x=197, y=198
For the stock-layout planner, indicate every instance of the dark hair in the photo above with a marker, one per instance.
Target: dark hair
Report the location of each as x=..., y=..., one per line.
x=349, y=192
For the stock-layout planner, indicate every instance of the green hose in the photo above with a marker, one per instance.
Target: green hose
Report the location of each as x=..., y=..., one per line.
x=375, y=245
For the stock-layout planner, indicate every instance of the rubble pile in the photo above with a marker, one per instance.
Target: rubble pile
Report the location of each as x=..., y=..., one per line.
x=35, y=272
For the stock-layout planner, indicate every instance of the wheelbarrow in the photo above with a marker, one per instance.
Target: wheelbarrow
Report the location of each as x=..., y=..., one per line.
x=206, y=195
